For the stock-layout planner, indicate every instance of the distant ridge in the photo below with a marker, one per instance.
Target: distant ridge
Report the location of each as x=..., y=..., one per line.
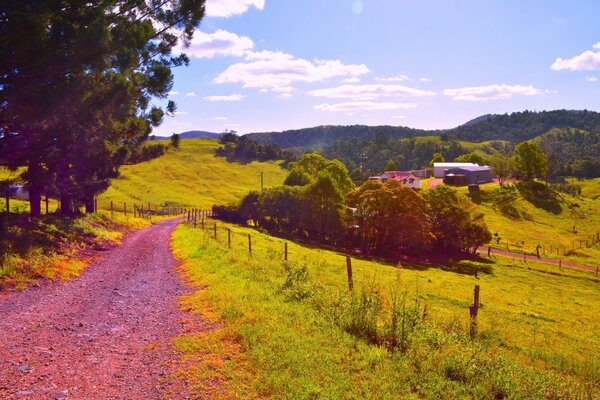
x=194, y=135
x=515, y=127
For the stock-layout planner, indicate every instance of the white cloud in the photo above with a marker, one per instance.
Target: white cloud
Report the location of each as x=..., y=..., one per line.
x=219, y=43
x=232, y=97
x=356, y=106
x=369, y=92
x=492, y=92
x=591, y=78
x=173, y=93
x=587, y=61
x=425, y=79
x=398, y=78
x=191, y=94
x=277, y=71
x=229, y=8
x=219, y=118
x=354, y=79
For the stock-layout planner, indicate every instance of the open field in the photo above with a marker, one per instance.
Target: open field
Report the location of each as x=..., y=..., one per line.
x=191, y=176
x=292, y=333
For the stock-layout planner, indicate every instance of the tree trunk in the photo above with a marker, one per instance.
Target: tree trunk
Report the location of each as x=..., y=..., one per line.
x=35, y=201
x=66, y=205
x=90, y=205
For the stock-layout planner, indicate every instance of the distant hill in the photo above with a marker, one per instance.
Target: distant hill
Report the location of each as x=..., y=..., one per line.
x=193, y=135
x=515, y=127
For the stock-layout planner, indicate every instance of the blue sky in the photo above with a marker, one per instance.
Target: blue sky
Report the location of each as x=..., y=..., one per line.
x=271, y=65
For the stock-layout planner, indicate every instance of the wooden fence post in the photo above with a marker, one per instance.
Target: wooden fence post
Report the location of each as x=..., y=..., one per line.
x=489, y=250
x=7, y=197
x=285, y=251
x=215, y=231
x=202, y=221
x=537, y=250
x=473, y=309
x=249, y=244
x=124, y=208
x=229, y=238
x=597, y=271
x=560, y=265
x=134, y=211
x=95, y=204
x=349, y=271
x=524, y=259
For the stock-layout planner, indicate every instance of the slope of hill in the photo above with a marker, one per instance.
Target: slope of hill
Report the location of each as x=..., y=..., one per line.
x=190, y=176
x=515, y=127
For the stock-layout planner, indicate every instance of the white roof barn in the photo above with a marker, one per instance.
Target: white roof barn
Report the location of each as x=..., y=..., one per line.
x=439, y=167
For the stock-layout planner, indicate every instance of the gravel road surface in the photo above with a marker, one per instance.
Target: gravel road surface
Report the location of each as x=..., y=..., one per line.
x=104, y=335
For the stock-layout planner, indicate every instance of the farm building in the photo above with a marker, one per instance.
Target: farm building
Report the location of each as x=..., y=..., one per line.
x=440, y=167
x=467, y=175
x=406, y=178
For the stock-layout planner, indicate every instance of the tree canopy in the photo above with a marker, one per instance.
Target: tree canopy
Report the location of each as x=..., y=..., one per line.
x=78, y=75
x=530, y=160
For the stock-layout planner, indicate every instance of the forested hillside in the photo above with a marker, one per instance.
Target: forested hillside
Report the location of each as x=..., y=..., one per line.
x=515, y=127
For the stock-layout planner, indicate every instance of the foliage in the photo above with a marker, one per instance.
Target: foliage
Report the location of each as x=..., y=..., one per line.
x=72, y=124
x=436, y=158
x=175, y=139
x=503, y=167
x=572, y=152
x=390, y=219
x=456, y=223
x=244, y=150
x=473, y=157
x=530, y=160
x=390, y=166
x=146, y=152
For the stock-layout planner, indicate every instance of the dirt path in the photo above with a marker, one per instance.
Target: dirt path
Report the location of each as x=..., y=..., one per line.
x=104, y=335
x=568, y=264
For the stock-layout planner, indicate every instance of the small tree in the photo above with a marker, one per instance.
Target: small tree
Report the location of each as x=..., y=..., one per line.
x=390, y=166
x=503, y=167
x=437, y=157
x=530, y=160
x=473, y=157
x=175, y=140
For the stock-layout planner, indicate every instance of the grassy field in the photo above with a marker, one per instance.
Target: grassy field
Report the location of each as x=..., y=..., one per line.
x=191, y=176
x=292, y=330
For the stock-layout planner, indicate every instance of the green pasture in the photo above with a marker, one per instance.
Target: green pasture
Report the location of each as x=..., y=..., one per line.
x=191, y=176
x=537, y=334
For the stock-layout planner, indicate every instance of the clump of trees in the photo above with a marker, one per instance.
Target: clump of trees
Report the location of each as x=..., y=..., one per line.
x=244, y=150
x=77, y=81
x=320, y=202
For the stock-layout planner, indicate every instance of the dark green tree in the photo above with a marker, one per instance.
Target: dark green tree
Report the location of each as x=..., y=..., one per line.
x=390, y=166
x=437, y=157
x=530, y=160
x=175, y=139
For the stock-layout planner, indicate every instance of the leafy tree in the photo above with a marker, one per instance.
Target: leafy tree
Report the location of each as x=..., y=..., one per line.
x=390, y=166
x=391, y=219
x=175, y=139
x=297, y=177
x=472, y=157
x=437, y=157
x=530, y=160
x=503, y=167
x=74, y=69
x=325, y=202
x=456, y=223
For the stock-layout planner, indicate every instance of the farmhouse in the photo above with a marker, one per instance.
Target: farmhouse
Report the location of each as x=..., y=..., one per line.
x=406, y=178
x=468, y=175
x=440, y=167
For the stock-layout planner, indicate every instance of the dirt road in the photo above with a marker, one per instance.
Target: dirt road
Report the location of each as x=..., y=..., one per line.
x=104, y=335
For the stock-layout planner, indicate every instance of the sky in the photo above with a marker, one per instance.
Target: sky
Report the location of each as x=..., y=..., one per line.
x=273, y=65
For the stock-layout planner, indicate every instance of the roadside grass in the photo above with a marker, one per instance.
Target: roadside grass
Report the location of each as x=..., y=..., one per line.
x=191, y=176
x=293, y=331
x=54, y=247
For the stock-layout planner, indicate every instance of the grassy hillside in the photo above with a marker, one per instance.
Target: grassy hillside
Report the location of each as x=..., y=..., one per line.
x=190, y=176
x=293, y=331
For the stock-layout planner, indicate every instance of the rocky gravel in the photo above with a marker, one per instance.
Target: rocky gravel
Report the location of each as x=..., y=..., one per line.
x=105, y=335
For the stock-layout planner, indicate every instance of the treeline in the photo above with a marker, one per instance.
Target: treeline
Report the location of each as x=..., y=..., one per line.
x=244, y=150
x=572, y=152
x=76, y=90
x=515, y=127
x=370, y=156
x=319, y=202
